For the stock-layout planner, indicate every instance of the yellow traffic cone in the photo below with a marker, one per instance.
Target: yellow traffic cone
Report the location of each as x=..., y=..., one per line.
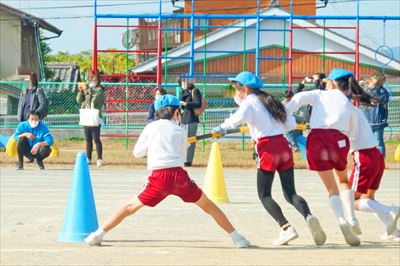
x=214, y=183
x=397, y=154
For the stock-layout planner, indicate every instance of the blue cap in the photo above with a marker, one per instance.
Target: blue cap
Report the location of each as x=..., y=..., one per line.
x=338, y=73
x=166, y=100
x=249, y=80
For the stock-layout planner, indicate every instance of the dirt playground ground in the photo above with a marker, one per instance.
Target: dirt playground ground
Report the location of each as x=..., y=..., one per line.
x=33, y=204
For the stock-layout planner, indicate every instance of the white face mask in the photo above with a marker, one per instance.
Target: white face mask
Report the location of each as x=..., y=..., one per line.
x=156, y=97
x=238, y=100
x=92, y=84
x=33, y=123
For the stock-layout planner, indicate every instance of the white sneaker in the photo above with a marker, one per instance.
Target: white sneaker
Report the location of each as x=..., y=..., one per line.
x=93, y=239
x=395, y=215
x=286, y=236
x=393, y=237
x=100, y=163
x=241, y=242
x=355, y=226
x=317, y=233
x=350, y=237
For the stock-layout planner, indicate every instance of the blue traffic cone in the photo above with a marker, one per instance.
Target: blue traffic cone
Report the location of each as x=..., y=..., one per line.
x=302, y=143
x=80, y=217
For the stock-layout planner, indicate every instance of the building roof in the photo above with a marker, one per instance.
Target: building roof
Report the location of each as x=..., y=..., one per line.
x=64, y=72
x=217, y=35
x=23, y=15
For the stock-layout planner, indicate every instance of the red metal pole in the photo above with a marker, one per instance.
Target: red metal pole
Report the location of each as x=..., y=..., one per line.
x=159, y=54
x=357, y=59
x=129, y=51
x=94, y=54
x=130, y=26
x=305, y=52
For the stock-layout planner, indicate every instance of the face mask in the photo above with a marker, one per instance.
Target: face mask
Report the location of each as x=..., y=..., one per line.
x=238, y=100
x=156, y=97
x=92, y=84
x=184, y=85
x=33, y=123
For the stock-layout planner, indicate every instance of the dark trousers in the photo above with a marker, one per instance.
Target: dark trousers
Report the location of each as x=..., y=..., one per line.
x=264, y=186
x=93, y=133
x=24, y=149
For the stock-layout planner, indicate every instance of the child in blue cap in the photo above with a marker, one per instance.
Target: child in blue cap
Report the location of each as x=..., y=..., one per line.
x=268, y=120
x=164, y=143
x=328, y=144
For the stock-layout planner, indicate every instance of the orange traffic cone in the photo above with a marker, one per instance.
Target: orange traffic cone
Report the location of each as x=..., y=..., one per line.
x=214, y=183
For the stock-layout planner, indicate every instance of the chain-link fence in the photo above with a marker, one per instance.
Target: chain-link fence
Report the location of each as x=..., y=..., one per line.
x=126, y=104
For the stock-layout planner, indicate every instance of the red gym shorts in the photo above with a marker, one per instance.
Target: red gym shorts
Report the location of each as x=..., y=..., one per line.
x=274, y=154
x=327, y=149
x=368, y=168
x=169, y=181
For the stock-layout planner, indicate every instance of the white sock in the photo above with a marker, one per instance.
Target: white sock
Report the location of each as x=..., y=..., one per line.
x=235, y=235
x=368, y=205
x=337, y=208
x=100, y=233
x=347, y=197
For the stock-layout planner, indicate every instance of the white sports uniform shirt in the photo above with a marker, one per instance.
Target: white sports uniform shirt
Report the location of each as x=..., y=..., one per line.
x=330, y=109
x=165, y=144
x=261, y=124
x=361, y=135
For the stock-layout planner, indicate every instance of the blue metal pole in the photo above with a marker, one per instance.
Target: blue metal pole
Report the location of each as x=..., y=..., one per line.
x=258, y=39
x=238, y=16
x=191, y=68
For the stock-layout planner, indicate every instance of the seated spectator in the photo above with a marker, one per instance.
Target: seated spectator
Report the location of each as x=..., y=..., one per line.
x=34, y=140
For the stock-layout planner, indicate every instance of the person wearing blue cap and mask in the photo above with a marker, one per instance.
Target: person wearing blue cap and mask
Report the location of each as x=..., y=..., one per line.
x=268, y=120
x=328, y=144
x=164, y=143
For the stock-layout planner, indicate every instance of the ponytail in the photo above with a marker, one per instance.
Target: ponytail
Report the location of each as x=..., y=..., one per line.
x=350, y=87
x=273, y=105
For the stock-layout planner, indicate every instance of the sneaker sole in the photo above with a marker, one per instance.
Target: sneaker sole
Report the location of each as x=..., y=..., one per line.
x=287, y=241
x=247, y=245
x=316, y=231
x=349, y=236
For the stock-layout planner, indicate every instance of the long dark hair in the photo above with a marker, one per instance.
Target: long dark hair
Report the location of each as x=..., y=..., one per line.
x=34, y=79
x=273, y=105
x=350, y=87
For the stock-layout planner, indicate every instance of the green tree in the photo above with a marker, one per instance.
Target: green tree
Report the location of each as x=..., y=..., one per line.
x=107, y=62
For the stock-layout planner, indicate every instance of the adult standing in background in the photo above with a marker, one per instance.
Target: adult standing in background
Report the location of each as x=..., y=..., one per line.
x=32, y=99
x=190, y=100
x=378, y=115
x=92, y=96
x=156, y=93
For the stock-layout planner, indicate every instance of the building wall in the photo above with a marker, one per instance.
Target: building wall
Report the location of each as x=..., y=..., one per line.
x=300, y=7
x=272, y=70
x=10, y=44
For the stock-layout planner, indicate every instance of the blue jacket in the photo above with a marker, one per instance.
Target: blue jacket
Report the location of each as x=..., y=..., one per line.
x=150, y=117
x=378, y=115
x=41, y=133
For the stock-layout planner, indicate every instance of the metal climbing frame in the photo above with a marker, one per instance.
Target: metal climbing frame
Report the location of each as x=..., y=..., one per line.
x=162, y=51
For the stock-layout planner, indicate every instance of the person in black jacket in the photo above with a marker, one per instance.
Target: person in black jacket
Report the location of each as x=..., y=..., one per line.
x=190, y=100
x=378, y=115
x=157, y=93
x=32, y=99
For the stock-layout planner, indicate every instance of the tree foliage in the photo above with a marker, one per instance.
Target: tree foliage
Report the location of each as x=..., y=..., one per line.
x=107, y=62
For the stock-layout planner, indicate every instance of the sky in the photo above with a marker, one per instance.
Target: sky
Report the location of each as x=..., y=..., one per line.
x=77, y=22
